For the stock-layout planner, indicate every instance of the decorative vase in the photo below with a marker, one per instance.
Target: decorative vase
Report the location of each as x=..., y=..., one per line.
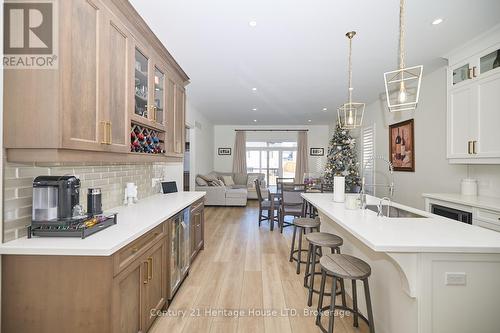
x=339, y=189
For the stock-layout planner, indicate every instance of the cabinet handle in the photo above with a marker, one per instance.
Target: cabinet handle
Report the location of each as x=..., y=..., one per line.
x=146, y=279
x=104, y=132
x=135, y=249
x=150, y=268
x=469, y=73
x=474, y=147
x=468, y=147
x=474, y=71
x=110, y=140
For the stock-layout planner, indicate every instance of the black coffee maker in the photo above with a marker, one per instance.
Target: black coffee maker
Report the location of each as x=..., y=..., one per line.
x=54, y=198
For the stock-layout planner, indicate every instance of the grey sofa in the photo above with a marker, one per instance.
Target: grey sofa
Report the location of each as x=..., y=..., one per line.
x=234, y=195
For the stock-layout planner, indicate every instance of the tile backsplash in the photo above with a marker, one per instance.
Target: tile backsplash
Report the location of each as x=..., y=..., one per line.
x=111, y=178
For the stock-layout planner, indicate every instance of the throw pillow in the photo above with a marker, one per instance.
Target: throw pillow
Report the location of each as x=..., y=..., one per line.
x=209, y=178
x=228, y=180
x=201, y=182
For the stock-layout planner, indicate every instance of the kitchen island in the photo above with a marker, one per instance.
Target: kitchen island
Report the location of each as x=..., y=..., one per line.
x=111, y=281
x=429, y=274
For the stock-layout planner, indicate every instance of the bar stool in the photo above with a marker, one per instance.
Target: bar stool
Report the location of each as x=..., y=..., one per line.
x=303, y=223
x=343, y=266
x=317, y=240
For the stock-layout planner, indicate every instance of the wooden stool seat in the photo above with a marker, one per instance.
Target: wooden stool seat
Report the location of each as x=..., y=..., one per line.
x=345, y=266
x=318, y=240
x=324, y=239
x=303, y=224
x=306, y=222
x=340, y=267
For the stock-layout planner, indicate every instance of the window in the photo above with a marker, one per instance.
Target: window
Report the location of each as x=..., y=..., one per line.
x=368, y=152
x=274, y=159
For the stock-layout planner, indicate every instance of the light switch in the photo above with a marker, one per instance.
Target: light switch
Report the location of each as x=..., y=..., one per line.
x=455, y=279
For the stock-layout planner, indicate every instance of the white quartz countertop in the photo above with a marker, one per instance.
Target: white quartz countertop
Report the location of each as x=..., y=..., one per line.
x=431, y=234
x=133, y=221
x=478, y=201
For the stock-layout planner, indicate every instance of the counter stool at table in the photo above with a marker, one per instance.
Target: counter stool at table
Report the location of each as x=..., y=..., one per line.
x=318, y=240
x=343, y=266
x=302, y=223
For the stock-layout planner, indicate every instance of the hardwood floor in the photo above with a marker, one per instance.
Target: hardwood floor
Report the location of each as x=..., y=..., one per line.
x=245, y=268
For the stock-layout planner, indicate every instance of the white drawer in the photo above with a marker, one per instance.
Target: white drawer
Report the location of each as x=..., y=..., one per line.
x=491, y=226
x=487, y=216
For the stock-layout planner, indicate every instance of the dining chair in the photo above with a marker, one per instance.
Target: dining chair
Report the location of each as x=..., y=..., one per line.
x=292, y=203
x=266, y=205
x=283, y=180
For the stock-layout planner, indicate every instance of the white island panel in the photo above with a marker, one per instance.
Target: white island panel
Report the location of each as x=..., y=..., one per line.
x=410, y=259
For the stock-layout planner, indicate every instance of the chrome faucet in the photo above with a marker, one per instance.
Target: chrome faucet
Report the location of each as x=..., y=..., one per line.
x=364, y=185
x=380, y=207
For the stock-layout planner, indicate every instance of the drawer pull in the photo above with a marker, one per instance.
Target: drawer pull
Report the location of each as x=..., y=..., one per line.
x=146, y=278
x=150, y=268
x=135, y=249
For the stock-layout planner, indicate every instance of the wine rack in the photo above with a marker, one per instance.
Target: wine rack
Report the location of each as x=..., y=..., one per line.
x=146, y=140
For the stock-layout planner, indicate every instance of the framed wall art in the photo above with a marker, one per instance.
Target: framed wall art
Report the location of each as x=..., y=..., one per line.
x=402, y=146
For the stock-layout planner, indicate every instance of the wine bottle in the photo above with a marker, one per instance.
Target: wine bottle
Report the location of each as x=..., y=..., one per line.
x=403, y=145
x=496, y=63
x=398, y=146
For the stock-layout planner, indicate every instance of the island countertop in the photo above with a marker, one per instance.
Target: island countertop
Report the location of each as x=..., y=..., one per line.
x=133, y=221
x=430, y=234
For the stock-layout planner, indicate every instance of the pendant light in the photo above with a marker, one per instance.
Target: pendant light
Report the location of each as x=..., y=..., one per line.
x=402, y=86
x=350, y=114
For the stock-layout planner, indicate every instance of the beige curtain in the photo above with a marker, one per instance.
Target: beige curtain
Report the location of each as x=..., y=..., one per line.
x=302, y=165
x=240, y=153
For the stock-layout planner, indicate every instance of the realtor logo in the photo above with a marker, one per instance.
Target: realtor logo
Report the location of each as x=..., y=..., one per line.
x=30, y=34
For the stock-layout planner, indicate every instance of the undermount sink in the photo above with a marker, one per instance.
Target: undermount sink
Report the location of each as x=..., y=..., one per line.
x=394, y=212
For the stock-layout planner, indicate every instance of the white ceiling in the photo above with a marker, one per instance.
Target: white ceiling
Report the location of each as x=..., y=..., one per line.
x=296, y=56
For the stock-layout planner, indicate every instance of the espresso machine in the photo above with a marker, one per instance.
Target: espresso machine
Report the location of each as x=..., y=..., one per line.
x=55, y=197
x=57, y=211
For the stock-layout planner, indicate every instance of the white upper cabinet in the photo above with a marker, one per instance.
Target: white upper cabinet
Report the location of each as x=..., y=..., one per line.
x=473, y=112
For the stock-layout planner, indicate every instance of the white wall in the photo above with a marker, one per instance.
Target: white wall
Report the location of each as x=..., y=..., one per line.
x=318, y=137
x=432, y=173
x=202, y=143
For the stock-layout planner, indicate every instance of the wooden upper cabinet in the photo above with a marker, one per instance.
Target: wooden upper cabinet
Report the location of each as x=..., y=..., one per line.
x=176, y=105
x=116, y=60
x=80, y=47
x=83, y=110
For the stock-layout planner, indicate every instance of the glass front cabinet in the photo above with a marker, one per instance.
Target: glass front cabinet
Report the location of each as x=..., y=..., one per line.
x=149, y=90
x=476, y=67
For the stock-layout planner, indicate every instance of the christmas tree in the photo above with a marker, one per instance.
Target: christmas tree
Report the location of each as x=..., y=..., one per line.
x=343, y=160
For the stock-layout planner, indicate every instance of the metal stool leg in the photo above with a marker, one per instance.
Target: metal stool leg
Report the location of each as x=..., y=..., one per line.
x=311, y=277
x=331, y=320
x=342, y=292
x=369, y=305
x=299, y=257
x=355, y=303
x=308, y=263
x=321, y=294
x=293, y=242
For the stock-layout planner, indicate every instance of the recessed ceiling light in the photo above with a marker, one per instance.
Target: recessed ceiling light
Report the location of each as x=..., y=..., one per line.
x=309, y=120
x=437, y=21
x=325, y=109
x=254, y=89
x=255, y=120
x=254, y=109
x=252, y=23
